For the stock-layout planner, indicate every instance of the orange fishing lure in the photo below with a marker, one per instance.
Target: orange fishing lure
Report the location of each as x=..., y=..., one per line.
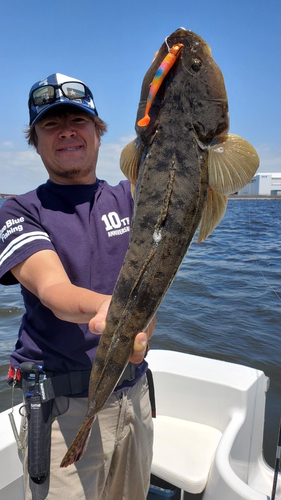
x=160, y=74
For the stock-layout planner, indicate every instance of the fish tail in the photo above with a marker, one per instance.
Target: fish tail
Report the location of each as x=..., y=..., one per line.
x=78, y=446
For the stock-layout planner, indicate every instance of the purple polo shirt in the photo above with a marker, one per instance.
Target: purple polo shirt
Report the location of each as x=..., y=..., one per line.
x=89, y=227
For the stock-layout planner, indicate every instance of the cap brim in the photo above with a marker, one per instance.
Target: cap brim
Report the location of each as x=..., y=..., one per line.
x=73, y=103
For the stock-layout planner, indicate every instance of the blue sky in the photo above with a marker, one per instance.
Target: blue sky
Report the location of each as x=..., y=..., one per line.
x=110, y=45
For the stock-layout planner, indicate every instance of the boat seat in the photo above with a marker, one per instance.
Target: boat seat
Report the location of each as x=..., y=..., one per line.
x=183, y=452
x=206, y=413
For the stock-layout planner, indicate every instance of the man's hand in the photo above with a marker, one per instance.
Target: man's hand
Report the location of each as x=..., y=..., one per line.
x=97, y=326
x=141, y=343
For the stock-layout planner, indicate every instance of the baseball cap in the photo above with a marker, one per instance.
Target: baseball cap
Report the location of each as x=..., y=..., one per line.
x=58, y=89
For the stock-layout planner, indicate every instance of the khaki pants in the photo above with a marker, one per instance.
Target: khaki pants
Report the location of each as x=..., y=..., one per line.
x=117, y=462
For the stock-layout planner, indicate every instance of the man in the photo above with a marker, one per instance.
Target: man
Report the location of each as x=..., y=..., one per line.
x=61, y=244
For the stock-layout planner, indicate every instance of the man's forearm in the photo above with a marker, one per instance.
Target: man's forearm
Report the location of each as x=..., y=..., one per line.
x=72, y=303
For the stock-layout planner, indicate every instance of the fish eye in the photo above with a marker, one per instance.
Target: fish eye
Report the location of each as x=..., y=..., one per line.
x=196, y=64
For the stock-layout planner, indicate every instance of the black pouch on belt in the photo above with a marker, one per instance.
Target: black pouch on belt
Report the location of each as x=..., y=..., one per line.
x=39, y=423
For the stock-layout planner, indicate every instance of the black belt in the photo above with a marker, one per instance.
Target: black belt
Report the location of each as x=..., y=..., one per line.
x=73, y=383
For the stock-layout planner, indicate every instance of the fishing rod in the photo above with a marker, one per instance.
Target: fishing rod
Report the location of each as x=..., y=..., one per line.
x=277, y=464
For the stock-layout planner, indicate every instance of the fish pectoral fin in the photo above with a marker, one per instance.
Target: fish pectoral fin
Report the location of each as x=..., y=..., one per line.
x=233, y=162
x=130, y=161
x=212, y=215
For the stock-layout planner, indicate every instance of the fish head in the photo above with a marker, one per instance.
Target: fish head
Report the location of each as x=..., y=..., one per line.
x=202, y=90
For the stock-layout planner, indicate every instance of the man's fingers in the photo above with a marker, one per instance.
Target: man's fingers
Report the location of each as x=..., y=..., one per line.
x=140, y=343
x=97, y=325
x=140, y=346
x=98, y=322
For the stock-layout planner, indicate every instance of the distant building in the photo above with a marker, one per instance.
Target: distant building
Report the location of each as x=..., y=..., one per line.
x=264, y=184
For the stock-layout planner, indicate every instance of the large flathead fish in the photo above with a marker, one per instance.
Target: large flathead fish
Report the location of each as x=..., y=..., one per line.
x=182, y=166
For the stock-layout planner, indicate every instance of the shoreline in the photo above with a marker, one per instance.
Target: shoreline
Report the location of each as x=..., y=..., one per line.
x=253, y=197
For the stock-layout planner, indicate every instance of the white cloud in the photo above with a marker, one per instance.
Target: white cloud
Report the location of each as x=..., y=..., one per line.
x=125, y=139
x=21, y=171
x=270, y=158
x=6, y=144
x=108, y=164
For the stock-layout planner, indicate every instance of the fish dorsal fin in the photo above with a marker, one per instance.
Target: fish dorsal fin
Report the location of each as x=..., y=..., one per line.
x=233, y=162
x=212, y=215
x=130, y=159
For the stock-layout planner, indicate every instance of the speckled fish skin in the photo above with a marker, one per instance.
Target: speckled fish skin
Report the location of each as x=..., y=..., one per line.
x=187, y=113
x=170, y=196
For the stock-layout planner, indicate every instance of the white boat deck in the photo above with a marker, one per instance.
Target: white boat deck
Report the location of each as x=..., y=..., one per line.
x=208, y=430
x=11, y=478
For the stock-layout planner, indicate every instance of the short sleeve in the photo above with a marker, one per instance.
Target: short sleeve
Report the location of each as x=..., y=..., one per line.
x=21, y=235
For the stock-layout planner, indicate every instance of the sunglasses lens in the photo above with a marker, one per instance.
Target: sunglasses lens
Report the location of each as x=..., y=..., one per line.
x=74, y=90
x=43, y=95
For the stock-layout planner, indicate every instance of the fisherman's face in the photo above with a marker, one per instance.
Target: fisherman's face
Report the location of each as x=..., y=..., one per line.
x=68, y=145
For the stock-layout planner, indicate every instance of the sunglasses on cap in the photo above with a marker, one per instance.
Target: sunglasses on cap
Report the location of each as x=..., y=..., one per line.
x=71, y=90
